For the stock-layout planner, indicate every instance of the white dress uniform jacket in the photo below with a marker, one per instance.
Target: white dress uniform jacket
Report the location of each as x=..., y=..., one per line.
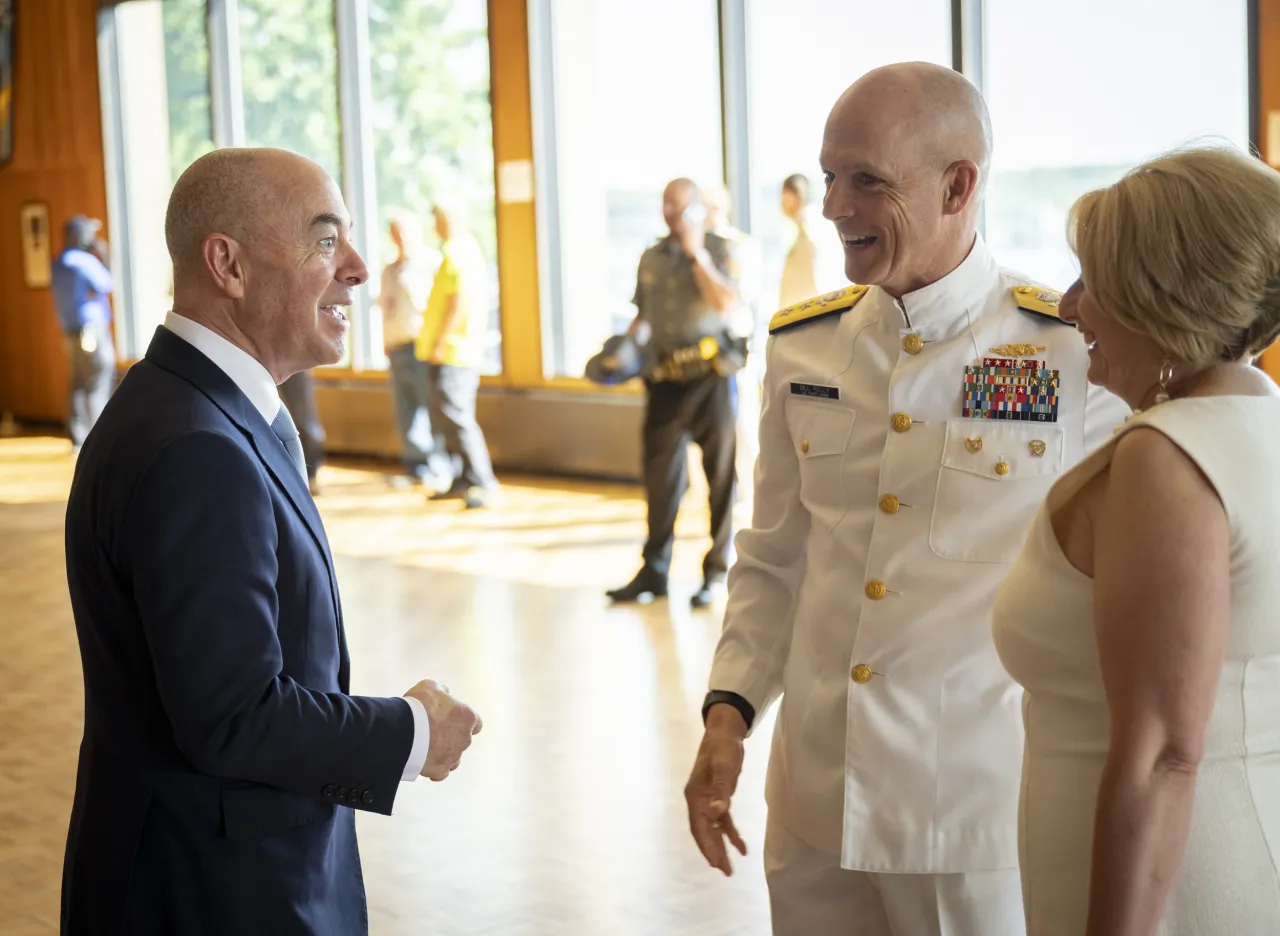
x=884, y=522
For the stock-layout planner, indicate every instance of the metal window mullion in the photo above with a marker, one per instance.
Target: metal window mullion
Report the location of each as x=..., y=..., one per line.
x=969, y=56
x=968, y=48
x=1255, y=80
x=226, y=93
x=547, y=187
x=117, y=164
x=359, y=175
x=735, y=107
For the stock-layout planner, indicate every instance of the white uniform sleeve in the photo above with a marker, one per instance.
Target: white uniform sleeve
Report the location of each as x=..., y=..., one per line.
x=763, y=582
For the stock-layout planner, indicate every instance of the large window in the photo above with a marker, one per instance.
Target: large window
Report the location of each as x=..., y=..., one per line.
x=400, y=89
x=1127, y=80
x=289, y=73
x=635, y=91
x=433, y=129
x=156, y=58
x=801, y=56
x=392, y=97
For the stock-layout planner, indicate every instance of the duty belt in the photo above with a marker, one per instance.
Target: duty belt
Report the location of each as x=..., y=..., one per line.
x=698, y=360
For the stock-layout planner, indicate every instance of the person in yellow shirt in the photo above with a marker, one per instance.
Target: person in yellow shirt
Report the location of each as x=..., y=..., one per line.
x=452, y=343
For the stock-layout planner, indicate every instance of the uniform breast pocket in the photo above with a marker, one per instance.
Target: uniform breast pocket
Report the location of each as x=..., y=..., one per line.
x=820, y=434
x=993, y=477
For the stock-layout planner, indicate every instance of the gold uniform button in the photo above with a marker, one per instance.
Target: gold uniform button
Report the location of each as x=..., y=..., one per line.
x=876, y=590
x=901, y=422
x=890, y=504
x=1002, y=468
x=862, y=673
x=804, y=446
x=912, y=344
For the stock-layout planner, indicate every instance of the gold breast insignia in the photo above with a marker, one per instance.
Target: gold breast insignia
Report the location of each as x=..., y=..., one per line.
x=1017, y=350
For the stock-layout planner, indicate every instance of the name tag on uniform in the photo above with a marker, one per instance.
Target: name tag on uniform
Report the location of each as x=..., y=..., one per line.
x=815, y=390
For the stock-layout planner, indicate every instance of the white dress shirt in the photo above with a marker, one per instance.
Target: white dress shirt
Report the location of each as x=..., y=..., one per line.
x=884, y=522
x=255, y=382
x=403, y=294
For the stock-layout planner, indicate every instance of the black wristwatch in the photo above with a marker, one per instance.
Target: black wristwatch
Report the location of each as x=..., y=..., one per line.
x=718, y=696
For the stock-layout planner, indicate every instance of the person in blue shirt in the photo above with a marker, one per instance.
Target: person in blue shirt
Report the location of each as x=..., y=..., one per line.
x=82, y=287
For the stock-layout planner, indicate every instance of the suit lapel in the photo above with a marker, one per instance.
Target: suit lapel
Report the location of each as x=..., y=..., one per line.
x=178, y=357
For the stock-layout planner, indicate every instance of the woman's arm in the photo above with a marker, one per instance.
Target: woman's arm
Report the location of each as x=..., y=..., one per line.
x=1161, y=610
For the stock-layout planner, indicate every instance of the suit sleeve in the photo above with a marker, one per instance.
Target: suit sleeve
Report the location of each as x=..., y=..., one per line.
x=765, y=579
x=198, y=543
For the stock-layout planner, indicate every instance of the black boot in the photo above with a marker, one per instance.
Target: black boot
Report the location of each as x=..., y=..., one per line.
x=646, y=582
x=705, y=596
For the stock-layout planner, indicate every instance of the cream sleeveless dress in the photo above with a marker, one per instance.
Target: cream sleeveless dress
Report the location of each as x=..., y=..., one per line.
x=1044, y=633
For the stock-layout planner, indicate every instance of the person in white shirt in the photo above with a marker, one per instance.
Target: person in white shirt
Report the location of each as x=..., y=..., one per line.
x=402, y=297
x=224, y=754
x=799, y=279
x=815, y=262
x=910, y=426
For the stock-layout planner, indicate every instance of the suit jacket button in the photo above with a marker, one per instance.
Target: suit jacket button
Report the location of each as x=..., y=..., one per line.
x=368, y=798
x=329, y=790
x=355, y=796
x=342, y=792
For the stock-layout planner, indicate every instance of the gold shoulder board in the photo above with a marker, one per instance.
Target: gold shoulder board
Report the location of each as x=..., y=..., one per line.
x=1039, y=301
x=842, y=300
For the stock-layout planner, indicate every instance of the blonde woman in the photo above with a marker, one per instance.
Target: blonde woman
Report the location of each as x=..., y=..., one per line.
x=1143, y=617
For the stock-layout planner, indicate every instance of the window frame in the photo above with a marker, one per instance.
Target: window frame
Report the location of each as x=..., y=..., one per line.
x=523, y=114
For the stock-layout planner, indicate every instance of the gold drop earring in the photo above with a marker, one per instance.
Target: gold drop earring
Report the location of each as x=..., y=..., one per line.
x=1166, y=374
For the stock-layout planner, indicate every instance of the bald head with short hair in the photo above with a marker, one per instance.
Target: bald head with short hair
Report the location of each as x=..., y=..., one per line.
x=226, y=192
x=906, y=152
x=261, y=251
x=941, y=113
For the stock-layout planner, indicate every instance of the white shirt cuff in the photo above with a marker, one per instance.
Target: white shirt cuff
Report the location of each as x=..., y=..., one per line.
x=421, y=740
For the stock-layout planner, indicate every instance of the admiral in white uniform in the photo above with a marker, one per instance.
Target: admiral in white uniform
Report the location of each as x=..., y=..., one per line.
x=909, y=430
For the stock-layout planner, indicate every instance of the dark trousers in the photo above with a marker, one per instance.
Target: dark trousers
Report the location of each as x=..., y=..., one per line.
x=299, y=395
x=422, y=448
x=93, y=377
x=676, y=412
x=452, y=397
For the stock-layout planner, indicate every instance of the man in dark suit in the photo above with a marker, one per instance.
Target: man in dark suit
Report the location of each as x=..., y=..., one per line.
x=223, y=757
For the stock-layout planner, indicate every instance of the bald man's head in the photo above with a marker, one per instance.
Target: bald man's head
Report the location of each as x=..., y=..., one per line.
x=228, y=191
x=676, y=197
x=943, y=112
x=718, y=202
x=451, y=216
x=261, y=250
x=906, y=152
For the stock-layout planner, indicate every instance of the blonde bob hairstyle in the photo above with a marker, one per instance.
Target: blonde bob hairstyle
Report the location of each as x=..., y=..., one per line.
x=1185, y=249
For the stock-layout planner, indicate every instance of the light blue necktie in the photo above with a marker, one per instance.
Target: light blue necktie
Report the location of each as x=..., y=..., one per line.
x=287, y=432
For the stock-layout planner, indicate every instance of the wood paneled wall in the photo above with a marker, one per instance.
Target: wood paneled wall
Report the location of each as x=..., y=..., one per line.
x=517, y=219
x=57, y=159
x=1268, y=103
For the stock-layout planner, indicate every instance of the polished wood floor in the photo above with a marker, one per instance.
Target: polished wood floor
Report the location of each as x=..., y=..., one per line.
x=567, y=815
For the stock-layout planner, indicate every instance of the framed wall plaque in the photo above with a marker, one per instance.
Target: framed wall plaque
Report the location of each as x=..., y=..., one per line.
x=37, y=245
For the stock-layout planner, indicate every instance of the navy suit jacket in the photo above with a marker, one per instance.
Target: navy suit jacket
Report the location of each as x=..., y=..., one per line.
x=222, y=757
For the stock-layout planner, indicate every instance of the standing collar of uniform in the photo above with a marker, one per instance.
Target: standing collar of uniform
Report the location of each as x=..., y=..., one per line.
x=245, y=371
x=936, y=307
